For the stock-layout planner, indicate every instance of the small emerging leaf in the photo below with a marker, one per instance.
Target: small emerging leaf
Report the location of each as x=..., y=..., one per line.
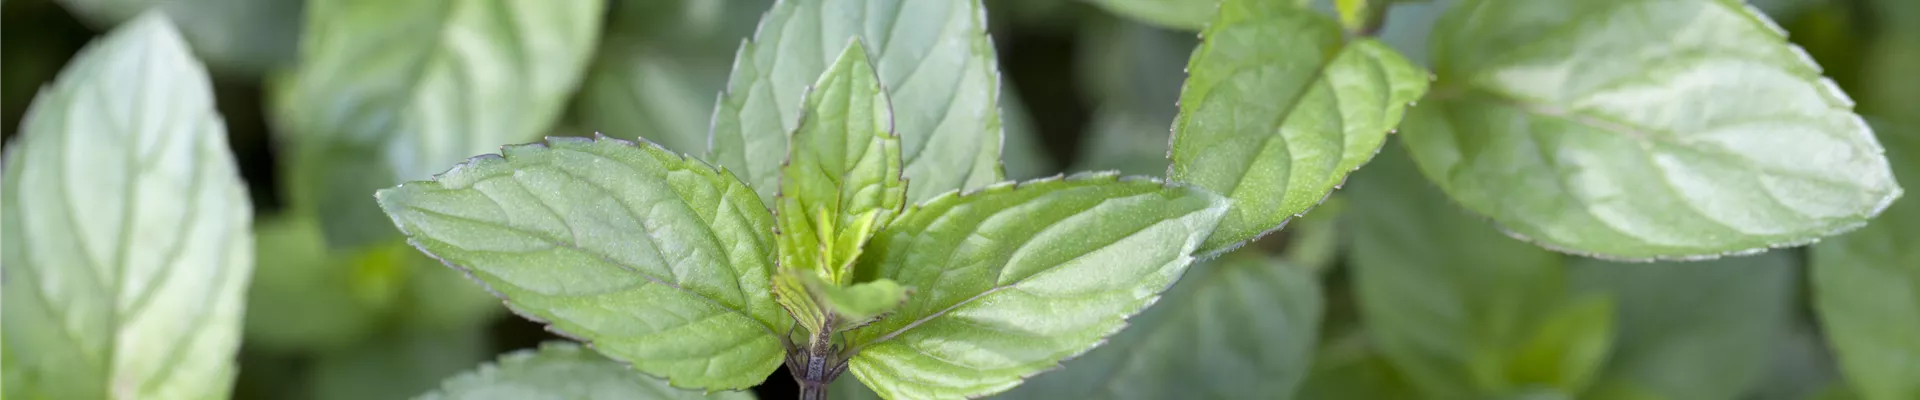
x=842, y=177
x=126, y=250
x=1278, y=109
x=659, y=260
x=563, y=371
x=1014, y=279
x=1660, y=129
x=815, y=302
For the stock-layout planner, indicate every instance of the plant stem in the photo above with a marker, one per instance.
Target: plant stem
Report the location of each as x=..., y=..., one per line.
x=817, y=367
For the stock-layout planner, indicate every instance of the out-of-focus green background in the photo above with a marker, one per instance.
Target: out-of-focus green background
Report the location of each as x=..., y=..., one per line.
x=1086, y=89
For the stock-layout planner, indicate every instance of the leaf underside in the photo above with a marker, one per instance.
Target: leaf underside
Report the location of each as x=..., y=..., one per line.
x=1649, y=129
x=658, y=260
x=1013, y=279
x=125, y=226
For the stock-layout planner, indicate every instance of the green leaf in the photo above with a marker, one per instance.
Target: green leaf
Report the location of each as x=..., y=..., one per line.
x=1668, y=129
x=126, y=249
x=424, y=84
x=659, y=260
x=1133, y=73
x=1188, y=15
x=232, y=36
x=396, y=365
x=1448, y=300
x=1568, y=347
x=933, y=58
x=1240, y=328
x=562, y=370
x=1014, y=278
x=841, y=180
x=812, y=300
x=1702, y=330
x=1867, y=288
x=301, y=297
x=1278, y=109
x=659, y=67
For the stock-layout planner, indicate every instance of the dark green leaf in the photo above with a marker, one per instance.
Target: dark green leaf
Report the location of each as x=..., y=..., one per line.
x=1177, y=14
x=1702, y=330
x=126, y=250
x=1013, y=279
x=659, y=260
x=1867, y=288
x=1643, y=129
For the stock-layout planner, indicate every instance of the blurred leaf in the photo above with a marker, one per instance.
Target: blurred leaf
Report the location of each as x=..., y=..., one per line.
x=933, y=58
x=1314, y=240
x=423, y=84
x=1450, y=301
x=1278, y=109
x=298, y=297
x=242, y=36
x=126, y=252
x=1177, y=14
x=1350, y=368
x=1568, y=347
x=1640, y=131
x=618, y=244
x=660, y=68
x=1695, y=331
x=1067, y=261
x=562, y=370
x=397, y=366
x=1135, y=73
x=1867, y=288
x=1890, y=90
x=1240, y=328
x=847, y=388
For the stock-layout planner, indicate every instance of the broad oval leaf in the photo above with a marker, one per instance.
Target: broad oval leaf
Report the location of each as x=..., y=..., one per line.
x=1188, y=15
x=1866, y=285
x=126, y=249
x=1243, y=327
x=933, y=58
x=1451, y=302
x=1700, y=330
x=1669, y=129
x=562, y=370
x=1278, y=108
x=841, y=180
x=659, y=260
x=1015, y=278
x=424, y=84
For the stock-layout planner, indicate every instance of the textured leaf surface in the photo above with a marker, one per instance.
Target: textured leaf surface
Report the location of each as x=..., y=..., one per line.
x=1277, y=110
x=1238, y=328
x=1643, y=129
x=933, y=58
x=1015, y=278
x=1867, y=288
x=841, y=180
x=1450, y=301
x=424, y=84
x=563, y=371
x=126, y=249
x=659, y=260
x=1702, y=330
x=1177, y=14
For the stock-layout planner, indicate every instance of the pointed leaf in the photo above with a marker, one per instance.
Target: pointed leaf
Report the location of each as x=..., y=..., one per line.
x=1446, y=298
x=561, y=370
x=1276, y=126
x=424, y=84
x=932, y=56
x=1014, y=279
x=1238, y=328
x=1866, y=285
x=126, y=251
x=659, y=260
x=1698, y=330
x=842, y=175
x=862, y=303
x=1671, y=129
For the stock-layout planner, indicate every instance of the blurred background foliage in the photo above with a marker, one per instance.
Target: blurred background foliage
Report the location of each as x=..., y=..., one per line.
x=1390, y=265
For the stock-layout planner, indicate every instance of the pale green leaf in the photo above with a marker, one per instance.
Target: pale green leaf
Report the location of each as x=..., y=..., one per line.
x=1867, y=288
x=126, y=250
x=659, y=67
x=1643, y=129
x=1013, y=279
x=932, y=57
x=1238, y=328
x=659, y=260
x=1449, y=300
x=1177, y=14
x=423, y=84
x=1278, y=109
x=842, y=175
x=563, y=371
x=862, y=303
x=1691, y=331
